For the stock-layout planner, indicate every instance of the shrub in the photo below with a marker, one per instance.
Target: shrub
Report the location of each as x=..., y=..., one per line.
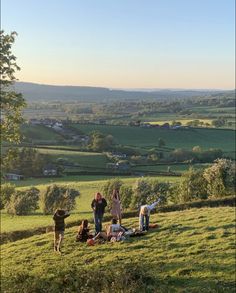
x=108, y=187
x=23, y=202
x=7, y=190
x=192, y=186
x=146, y=191
x=126, y=194
x=57, y=196
x=220, y=177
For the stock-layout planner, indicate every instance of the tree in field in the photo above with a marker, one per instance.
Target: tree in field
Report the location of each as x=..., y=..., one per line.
x=126, y=195
x=220, y=122
x=26, y=160
x=100, y=142
x=220, y=178
x=57, y=196
x=108, y=188
x=23, y=202
x=161, y=142
x=192, y=186
x=147, y=191
x=7, y=190
x=12, y=103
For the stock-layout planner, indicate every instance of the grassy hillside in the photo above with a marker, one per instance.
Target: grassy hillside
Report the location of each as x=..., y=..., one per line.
x=39, y=132
x=190, y=251
x=82, y=158
x=185, y=138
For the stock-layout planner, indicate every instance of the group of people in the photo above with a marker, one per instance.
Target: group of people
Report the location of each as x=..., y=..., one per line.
x=114, y=232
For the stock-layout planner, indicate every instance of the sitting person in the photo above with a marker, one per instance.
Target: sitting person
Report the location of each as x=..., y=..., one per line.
x=144, y=215
x=83, y=232
x=113, y=230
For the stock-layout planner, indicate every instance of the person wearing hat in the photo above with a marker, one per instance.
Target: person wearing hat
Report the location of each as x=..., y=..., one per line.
x=144, y=215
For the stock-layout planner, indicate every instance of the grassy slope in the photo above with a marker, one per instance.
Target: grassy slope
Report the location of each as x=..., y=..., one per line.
x=82, y=158
x=83, y=209
x=137, y=136
x=39, y=132
x=190, y=251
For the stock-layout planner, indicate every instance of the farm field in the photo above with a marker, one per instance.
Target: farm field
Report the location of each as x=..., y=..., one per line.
x=173, y=168
x=184, y=138
x=88, y=159
x=189, y=251
x=83, y=209
x=183, y=121
x=39, y=132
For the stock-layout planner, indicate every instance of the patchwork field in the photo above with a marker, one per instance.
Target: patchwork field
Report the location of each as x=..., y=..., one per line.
x=184, y=138
x=189, y=251
x=183, y=121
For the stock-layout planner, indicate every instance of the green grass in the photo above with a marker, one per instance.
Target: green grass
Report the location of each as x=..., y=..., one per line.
x=87, y=186
x=82, y=158
x=174, y=168
x=190, y=251
x=39, y=132
x=185, y=138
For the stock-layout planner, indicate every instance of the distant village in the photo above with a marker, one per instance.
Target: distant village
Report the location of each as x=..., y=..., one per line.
x=58, y=125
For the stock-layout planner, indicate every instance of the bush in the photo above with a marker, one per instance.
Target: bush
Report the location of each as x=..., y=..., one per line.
x=126, y=194
x=57, y=196
x=220, y=178
x=108, y=188
x=23, y=202
x=192, y=186
x=146, y=191
x=7, y=190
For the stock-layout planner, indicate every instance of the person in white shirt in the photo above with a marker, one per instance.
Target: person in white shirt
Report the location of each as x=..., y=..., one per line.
x=144, y=215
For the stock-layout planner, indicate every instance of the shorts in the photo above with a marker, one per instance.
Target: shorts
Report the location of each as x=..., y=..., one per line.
x=59, y=233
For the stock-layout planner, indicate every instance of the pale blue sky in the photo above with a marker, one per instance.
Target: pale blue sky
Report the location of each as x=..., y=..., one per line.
x=124, y=43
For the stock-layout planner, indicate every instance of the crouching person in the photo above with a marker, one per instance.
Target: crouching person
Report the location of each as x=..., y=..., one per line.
x=59, y=228
x=144, y=215
x=83, y=232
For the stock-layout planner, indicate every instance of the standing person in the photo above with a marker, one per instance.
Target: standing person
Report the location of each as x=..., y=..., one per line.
x=144, y=215
x=116, y=205
x=98, y=205
x=59, y=219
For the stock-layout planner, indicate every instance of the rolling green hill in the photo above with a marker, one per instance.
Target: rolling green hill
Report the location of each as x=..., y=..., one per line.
x=189, y=251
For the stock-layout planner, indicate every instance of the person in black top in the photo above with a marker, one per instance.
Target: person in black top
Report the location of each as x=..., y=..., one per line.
x=59, y=228
x=83, y=232
x=98, y=205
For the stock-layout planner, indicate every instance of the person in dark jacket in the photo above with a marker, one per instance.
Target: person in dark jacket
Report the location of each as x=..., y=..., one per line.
x=59, y=228
x=83, y=232
x=98, y=205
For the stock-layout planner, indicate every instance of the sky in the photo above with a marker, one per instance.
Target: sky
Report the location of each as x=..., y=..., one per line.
x=124, y=43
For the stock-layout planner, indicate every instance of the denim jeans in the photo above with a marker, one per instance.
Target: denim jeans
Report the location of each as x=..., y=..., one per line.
x=144, y=222
x=98, y=222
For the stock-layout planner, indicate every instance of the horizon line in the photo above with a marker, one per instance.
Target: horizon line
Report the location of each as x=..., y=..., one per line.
x=131, y=88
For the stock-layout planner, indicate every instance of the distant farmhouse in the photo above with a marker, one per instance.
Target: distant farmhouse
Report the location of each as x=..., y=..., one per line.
x=13, y=176
x=50, y=170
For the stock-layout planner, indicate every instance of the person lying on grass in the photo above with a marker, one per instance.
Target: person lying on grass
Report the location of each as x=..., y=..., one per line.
x=59, y=228
x=144, y=215
x=83, y=232
x=113, y=230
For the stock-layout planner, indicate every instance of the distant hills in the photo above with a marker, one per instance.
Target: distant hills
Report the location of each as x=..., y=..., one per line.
x=42, y=92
